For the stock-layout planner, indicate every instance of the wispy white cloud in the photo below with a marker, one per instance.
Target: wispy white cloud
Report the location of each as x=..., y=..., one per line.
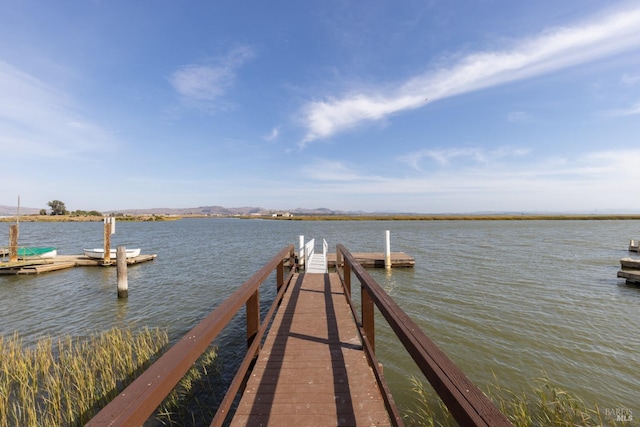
x=275, y=132
x=630, y=79
x=38, y=119
x=335, y=171
x=445, y=156
x=549, y=51
x=519, y=117
x=632, y=110
x=208, y=82
x=583, y=182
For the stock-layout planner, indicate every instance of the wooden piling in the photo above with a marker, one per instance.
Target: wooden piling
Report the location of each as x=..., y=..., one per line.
x=13, y=243
x=121, y=266
x=107, y=242
x=387, y=250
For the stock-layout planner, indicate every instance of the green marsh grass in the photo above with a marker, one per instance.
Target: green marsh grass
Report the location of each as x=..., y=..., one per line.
x=65, y=382
x=545, y=404
x=193, y=401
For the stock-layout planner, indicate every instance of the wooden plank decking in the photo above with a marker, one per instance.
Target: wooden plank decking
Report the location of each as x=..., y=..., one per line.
x=61, y=262
x=312, y=369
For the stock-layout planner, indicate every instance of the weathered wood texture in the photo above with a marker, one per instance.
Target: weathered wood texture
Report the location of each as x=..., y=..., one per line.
x=312, y=369
x=13, y=243
x=61, y=262
x=630, y=270
x=121, y=263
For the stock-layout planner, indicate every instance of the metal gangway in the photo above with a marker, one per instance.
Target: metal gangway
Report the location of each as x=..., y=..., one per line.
x=315, y=262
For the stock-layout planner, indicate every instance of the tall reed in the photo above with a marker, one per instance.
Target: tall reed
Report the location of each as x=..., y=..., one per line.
x=193, y=401
x=65, y=382
x=546, y=404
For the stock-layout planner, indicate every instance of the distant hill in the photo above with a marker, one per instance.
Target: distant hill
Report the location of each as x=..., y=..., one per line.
x=201, y=210
x=11, y=210
x=221, y=210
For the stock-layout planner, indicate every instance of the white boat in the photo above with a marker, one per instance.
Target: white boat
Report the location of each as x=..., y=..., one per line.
x=98, y=253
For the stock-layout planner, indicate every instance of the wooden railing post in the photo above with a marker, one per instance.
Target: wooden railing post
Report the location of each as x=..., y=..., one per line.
x=280, y=272
x=346, y=269
x=253, y=316
x=368, y=320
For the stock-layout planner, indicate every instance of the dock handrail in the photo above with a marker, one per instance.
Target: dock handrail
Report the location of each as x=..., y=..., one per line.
x=140, y=399
x=466, y=403
x=309, y=250
x=325, y=251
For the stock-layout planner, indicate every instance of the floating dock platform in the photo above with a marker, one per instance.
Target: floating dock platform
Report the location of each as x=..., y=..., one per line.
x=630, y=270
x=376, y=259
x=372, y=260
x=62, y=262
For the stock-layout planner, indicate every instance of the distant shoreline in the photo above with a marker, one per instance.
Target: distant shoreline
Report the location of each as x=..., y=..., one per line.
x=443, y=217
x=454, y=217
x=85, y=218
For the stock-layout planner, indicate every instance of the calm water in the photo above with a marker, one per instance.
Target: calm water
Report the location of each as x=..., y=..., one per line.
x=514, y=299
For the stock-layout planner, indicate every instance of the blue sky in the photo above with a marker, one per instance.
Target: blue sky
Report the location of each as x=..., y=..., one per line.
x=413, y=106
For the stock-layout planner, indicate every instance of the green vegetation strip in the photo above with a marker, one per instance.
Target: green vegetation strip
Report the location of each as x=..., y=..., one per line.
x=87, y=218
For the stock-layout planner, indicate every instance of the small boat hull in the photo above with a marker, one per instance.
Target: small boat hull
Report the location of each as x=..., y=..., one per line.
x=99, y=253
x=36, y=252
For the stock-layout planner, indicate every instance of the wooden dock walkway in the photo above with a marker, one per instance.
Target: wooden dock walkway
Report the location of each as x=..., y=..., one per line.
x=311, y=357
x=312, y=369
